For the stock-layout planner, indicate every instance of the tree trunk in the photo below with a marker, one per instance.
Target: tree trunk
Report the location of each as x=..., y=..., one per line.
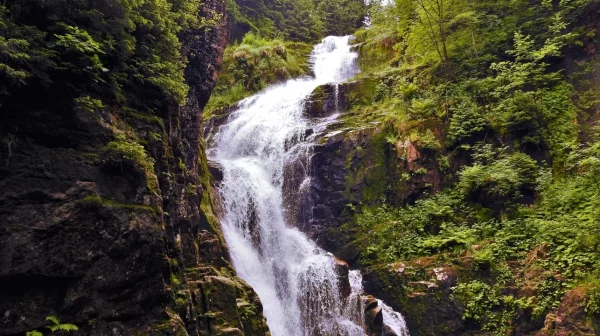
x=475, y=52
x=446, y=60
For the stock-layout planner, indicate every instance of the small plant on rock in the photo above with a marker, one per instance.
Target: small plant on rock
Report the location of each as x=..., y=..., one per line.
x=55, y=326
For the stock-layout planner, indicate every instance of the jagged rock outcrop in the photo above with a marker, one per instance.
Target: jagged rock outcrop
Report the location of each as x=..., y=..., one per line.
x=326, y=100
x=421, y=293
x=102, y=241
x=359, y=166
x=353, y=166
x=570, y=318
x=219, y=118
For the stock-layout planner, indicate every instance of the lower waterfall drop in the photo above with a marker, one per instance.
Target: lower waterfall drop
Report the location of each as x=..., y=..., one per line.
x=298, y=283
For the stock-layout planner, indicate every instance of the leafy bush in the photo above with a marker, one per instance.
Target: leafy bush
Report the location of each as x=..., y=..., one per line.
x=255, y=63
x=502, y=83
x=592, y=299
x=569, y=213
x=503, y=181
x=117, y=50
x=123, y=149
x=296, y=20
x=466, y=125
x=485, y=305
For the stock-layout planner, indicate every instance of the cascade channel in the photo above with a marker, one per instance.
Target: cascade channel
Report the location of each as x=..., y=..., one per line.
x=266, y=143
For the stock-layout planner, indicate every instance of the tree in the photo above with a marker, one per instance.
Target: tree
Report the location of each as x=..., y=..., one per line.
x=341, y=17
x=435, y=16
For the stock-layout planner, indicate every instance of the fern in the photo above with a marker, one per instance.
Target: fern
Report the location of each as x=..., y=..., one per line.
x=53, y=319
x=57, y=326
x=33, y=333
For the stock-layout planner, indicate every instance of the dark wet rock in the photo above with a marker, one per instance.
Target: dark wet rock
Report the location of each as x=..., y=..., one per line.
x=219, y=118
x=216, y=171
x=570, y=318
x=426, y=305
x=373, y=315
x=326, y=100
x=342, y=271
x=102, y=242
x=353, y=167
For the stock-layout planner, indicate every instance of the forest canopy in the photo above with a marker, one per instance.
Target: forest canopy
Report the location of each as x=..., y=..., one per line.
x=96, y=50
x=296, y=20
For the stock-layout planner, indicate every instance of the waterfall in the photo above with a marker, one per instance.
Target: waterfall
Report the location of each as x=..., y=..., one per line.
x=302, y=287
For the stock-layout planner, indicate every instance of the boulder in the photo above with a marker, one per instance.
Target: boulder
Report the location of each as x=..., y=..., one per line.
x=342, y=270
x=326, y=100
x=570, y=318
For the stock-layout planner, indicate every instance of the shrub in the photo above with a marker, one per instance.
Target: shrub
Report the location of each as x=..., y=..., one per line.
x=466, y=125
x=124, y=149
x=485, y=305
x=499, y=182
x=255, y=63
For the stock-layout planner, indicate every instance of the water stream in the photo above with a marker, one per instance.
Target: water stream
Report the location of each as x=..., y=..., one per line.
x=298, y=283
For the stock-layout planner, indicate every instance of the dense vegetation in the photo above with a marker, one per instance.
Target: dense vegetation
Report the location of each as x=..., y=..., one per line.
x=296, y=20
x=500, y=96
x=90, y=53
x=253, y=64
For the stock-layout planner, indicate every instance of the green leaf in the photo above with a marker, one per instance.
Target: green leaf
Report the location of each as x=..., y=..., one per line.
x=53, y=319
x=33, y=333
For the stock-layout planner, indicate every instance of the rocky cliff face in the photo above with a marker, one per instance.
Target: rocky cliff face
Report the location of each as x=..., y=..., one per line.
x=105, y=243
x=357, y=166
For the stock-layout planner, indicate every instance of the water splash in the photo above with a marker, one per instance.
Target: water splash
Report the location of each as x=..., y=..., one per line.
x=393, y=320
x=300, y=285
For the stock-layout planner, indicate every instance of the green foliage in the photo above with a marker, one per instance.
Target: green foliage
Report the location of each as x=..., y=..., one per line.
x=255, y=63
x=58, y=326
x=569, y=213
x=22, y=55
x=116, y=50
x=340, y=17
x=501, y=181
x=55, y=326
x=592, y=298
x=124, y=149
x=485, y=305
x=296, y=20
x=467, y=125
x=407, y=233
x=88, y=104
x=501, y=94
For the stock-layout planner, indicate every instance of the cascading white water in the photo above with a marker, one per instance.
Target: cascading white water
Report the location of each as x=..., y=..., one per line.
x=297, y=282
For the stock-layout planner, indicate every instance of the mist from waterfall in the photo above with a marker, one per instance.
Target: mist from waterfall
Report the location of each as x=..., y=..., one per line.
x=298, y=283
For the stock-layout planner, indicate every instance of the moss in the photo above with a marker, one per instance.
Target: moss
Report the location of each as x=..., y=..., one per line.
x=361, y=93
x=98, y=201
x=254, y=64
x=173, y=326
x=376, y=176
x=155, y=137
x=206, y=202
x=175, y=280
x=373, y=169
x=130, y=113
x=131, y=150
x=182, y=165
x=318, y=97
